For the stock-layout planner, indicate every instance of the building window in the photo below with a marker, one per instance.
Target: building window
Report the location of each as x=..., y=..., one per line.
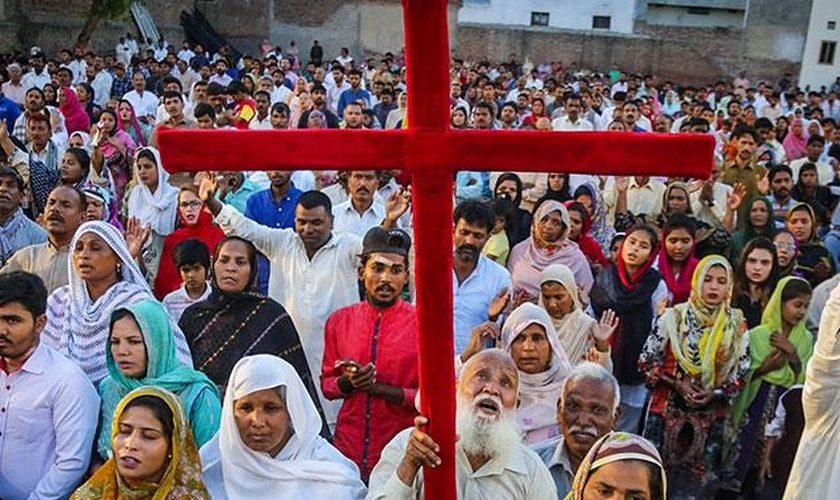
x=831, y=25
x=827, y=52
x=600, y=22
x=539, y=18
x=699, y=11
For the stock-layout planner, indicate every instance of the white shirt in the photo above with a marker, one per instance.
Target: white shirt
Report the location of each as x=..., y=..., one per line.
x=47, y=425
x=279, y=94
x=334, y=93
x=563, y=123
x=516, y=474
x=33, y=79
x=473, y=296
x=223, y=80
x=348, y=220
x=310, y=290
x=815, y=473
x=257, y=124
x=645, y=199
x=714, y=214
x=144, y=105
x=186, y=55
x=102, y=87
x=17, y=93
x=178, y=301
x=303, y=179
x=825, y=173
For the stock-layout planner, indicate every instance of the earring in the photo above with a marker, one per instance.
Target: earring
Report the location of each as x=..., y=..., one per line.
x=119, y=267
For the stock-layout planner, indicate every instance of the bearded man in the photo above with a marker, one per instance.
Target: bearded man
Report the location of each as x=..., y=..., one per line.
x=491, y=461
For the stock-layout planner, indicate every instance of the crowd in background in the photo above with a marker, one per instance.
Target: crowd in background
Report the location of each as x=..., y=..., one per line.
x=248, y=333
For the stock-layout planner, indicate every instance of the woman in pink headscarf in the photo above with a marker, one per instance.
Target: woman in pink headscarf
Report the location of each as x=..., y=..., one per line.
x=796, y=141
x=76, y=118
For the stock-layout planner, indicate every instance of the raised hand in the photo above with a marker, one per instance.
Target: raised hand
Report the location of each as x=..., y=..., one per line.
x=136, y=235
x=397, y=204
x=478, y=337
x=498, y=304
x=763, y=183
x=208, y=186
x=604, y=329
x=736, y=197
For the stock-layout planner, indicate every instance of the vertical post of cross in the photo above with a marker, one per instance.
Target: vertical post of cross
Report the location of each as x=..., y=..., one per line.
x=427, y=56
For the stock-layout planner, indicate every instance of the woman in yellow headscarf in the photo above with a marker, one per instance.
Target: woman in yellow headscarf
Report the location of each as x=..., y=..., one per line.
x=154, y=454
x=780, y=348
x=695, y=360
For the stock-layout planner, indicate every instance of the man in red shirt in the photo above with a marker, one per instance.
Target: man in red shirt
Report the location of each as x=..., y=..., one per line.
x=370, y=354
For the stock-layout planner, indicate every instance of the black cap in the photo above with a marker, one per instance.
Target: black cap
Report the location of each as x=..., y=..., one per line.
x=386, y=241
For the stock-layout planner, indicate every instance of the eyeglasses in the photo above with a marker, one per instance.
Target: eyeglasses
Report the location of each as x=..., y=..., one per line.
x=190, y=204
x=785, y=245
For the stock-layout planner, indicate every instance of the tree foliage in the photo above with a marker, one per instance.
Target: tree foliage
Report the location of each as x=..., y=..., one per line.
x=99, y=10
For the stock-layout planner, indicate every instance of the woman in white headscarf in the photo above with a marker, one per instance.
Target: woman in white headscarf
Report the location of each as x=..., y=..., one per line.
x=269, y=445
x=528, y=335
x=102, y=278
x=582, y=337
x=154, y=202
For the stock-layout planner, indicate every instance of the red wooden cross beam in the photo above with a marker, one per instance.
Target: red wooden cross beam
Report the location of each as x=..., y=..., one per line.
x=430, y=151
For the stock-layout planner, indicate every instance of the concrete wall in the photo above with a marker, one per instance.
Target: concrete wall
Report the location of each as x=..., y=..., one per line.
x=680, y=16
x=813, y=73
x=568, y=14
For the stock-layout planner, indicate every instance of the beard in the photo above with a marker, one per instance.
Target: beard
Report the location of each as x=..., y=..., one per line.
x=483, y=435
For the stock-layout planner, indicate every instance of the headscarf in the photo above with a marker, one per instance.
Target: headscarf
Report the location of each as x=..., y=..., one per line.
x=538, y=392
x=588, y=245
x=601, y=230
x=760, y=347
x=298, y=470
x=106, y=198
x=740, y=238
x=85, y=139
x=719, y=344
x=81, y=332
x=615, y=447
x=796, y=146
x=528, y=258
x=671, y=108
x=138, y=137
x=679, y=286
x=563, y=195
x=572, y=329
x=670, y=187
x=182, y=479
x=168, y=278
x=163, y=369
x=159, y=208
x=75, y=116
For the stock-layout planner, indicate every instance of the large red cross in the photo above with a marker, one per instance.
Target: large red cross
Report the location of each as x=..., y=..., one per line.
x=431, y=152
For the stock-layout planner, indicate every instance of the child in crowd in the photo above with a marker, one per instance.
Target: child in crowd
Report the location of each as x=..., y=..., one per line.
x=498, y=245
x=193, y=261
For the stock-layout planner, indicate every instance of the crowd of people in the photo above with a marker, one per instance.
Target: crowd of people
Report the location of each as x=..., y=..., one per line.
x=249, y=334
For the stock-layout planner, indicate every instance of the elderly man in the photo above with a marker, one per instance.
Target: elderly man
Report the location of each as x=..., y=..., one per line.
x=586, y=411
x=16, y=230
x=490, y=457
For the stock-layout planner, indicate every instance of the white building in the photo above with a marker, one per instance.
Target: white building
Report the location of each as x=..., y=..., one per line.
x=695, y=13
x=821, y=59
x=600, y=15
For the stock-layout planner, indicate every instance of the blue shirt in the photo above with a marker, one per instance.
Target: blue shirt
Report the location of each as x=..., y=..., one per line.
x=239, y=198
x=9, y=111
x=349, y=96
x=262, y=209
x=473, y=296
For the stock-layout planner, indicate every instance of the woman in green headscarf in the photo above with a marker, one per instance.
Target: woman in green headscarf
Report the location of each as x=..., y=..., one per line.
x=759, y=223
x=780, y=348
x=141, y=352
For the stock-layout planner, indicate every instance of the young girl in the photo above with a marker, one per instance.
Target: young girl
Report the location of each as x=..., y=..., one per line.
x=634, y=290
x=497, y=247
x=676, y=262
x=755, y=279
x=780, y=348
x=579, y=225
x=75, y=167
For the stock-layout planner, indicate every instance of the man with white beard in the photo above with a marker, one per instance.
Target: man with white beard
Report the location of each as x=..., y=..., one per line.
x=491, y=461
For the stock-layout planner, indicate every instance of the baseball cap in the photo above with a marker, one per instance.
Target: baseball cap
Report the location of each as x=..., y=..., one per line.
x=386, y=241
